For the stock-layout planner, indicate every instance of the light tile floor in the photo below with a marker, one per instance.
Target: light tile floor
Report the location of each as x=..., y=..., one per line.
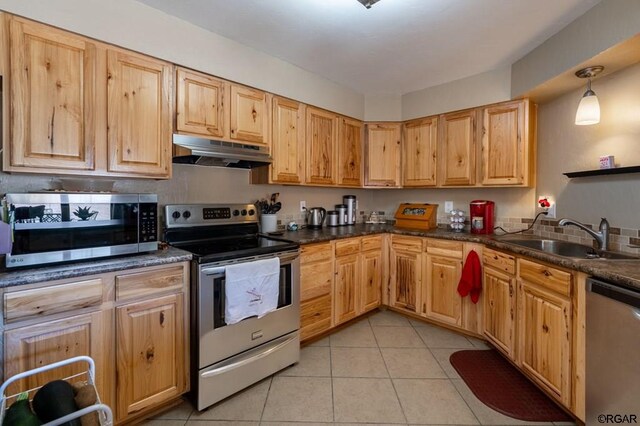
x=384, y=369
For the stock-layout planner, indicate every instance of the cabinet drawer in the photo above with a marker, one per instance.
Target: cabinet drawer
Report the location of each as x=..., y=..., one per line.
x=545, y=276
x=315, y=279
x=445, y=248
x=315, y=253
x=500, y=261
x=347, y=247
x=52, y=299
x=372, y=243
x=149, y=282
x=413, y=244
x=315, y=316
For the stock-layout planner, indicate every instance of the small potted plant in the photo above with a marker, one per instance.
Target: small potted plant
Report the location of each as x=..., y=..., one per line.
x=85, y=213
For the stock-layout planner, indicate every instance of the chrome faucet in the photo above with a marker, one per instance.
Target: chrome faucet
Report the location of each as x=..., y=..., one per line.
x=601, y=237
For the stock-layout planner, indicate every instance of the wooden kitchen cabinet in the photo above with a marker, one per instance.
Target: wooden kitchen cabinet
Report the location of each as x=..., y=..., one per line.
x=545, y=328
x=419, y=152
x=321, y=140
x=350, y=152
x=200, y=104
x=287, y=143
x=372, y=267
x=406, y=272
x=382, y=154
x=139, y=118
x=346, y=287
x=249, y=115
x=316, y=289
x=508, y=139
x=457, y=148
x=443, y=267
x=499, y=301
x=150, y=353
x=52, y=84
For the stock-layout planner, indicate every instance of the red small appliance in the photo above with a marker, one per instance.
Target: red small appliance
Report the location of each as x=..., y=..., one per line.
x=481, y=212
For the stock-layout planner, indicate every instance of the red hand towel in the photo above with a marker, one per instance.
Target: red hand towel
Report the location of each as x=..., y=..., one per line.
x=471, y=280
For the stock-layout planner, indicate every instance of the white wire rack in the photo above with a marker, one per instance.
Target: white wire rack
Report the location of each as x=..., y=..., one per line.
x=104, y=412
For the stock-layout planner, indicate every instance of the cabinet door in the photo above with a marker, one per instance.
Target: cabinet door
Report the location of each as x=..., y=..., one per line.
x=372, y=280
x=406, y=275
x=150, y=353
x=199, y=104
x=53, y=98
x=249, y=115
x=440, y=298
x=139, y=115
x=322, y=134
x=499, y=300
x=503, y=144
x=545, y=335
x=37, y=345
x=457, y=150
x=382, y=154
x=419, y=147
x=347, y=284
x=287, y=144
x=350, y=152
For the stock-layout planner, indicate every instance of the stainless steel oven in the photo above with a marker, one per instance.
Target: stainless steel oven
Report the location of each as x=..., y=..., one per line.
x=226, y=358
x=59, y=227
x=226, y=361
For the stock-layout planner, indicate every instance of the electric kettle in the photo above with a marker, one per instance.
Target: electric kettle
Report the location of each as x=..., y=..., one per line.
x=315, y=217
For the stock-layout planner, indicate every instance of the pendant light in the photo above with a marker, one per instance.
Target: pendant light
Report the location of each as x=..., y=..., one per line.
x=589, y=109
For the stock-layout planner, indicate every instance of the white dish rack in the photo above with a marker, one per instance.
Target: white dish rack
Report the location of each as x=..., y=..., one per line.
x=104, y=412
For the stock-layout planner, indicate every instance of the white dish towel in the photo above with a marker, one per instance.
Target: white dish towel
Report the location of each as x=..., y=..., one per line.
x=251, y=289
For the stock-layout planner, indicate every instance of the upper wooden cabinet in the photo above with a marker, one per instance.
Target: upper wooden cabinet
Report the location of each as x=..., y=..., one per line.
x=53, y=97
x=508, y=137
x=139, y=114
x=80, y=107
x=457, y=148
x=287, y=143
x=322, y=134
x=200, y=101
x=249, y=115
x=350, y=152
x=419, y=152
x=382, y=154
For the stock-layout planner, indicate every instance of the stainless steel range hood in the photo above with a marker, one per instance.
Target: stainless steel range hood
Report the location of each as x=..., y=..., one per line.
x=205, y=152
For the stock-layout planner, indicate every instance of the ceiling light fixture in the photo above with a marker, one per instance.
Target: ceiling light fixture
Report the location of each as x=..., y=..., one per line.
x=589, y=109
x=368, y=3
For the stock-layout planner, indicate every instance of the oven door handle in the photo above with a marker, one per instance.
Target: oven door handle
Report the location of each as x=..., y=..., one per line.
x=216, y=271
x=251, y=356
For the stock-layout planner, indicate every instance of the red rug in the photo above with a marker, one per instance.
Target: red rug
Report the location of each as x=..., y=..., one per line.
x=502, y=387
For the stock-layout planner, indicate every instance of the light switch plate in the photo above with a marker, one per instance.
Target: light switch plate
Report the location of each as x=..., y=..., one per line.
x=448, y=206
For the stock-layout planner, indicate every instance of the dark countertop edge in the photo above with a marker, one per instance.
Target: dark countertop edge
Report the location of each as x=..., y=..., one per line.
x=19, y=277
x=615, y=271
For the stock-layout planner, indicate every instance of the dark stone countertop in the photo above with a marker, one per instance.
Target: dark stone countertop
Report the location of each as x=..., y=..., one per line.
x=91, y=267
x=622, y=272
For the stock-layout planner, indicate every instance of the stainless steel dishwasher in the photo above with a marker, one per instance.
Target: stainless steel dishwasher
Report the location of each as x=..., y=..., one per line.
x=613, y=354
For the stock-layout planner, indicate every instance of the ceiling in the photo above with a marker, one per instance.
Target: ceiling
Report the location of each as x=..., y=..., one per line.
x=396, y=47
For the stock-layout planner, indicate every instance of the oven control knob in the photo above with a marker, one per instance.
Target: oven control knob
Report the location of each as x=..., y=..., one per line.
x=236, y=212
x=175, y=215
x=186, y=214
x=252, y=212
x=243, y=212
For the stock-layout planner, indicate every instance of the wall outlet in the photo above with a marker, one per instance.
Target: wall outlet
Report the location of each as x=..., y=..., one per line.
x=303, y=206
x=546, y=203
x=551, y=211
x=448, y=206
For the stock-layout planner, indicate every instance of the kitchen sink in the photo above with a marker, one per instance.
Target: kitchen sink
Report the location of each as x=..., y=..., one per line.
x=566, y=248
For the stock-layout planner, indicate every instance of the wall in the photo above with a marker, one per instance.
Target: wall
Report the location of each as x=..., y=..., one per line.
x=139, y=27
x=564, y=147
x=480, y=89
x=606, y=24
x=383, y=108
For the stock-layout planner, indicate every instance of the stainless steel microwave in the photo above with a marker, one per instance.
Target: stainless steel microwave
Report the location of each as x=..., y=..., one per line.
x=61, y=227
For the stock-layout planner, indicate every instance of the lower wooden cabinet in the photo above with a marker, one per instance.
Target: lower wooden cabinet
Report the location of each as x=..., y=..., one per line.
x=406, y=278
x=545, y=333
x=141, y=362
x=440, y=298
x=347, y=284
x=499, y=309
x=372, y=277
x=316, y=289
x=150, y=354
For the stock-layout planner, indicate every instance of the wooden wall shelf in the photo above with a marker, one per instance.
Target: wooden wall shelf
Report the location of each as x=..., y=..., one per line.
x=602, y=172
